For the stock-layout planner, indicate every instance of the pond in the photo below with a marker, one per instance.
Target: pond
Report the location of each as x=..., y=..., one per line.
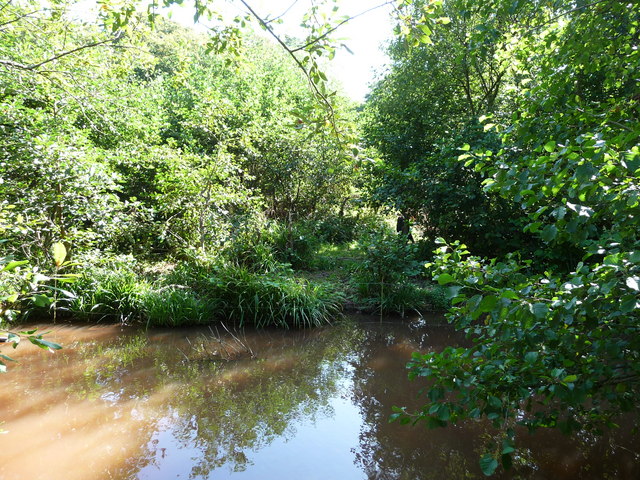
x=120, y=403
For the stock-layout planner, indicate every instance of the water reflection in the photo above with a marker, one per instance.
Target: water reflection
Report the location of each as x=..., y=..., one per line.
x=123, y=404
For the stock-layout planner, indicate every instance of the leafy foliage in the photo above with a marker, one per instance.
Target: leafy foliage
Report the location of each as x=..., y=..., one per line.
x=420, y=114
x=23, y=288
x=554, y=330
x=383, y=278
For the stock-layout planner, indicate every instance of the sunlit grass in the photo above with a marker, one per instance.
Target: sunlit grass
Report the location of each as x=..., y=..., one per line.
x=264, y=300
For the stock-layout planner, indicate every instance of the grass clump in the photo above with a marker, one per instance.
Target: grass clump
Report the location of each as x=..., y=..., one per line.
x=106, y=294
x=201, y=291
x=173, y=306
x=272, y=300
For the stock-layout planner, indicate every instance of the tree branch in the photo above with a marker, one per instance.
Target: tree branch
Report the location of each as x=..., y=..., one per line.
x=566, y=12
x=271, y=20
x=35, y=66
x=333, y=29
x=315, y=88
x=9, y=22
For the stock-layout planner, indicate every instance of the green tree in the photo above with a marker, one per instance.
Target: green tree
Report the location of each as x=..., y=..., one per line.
x=557, y=348
x=424, y=110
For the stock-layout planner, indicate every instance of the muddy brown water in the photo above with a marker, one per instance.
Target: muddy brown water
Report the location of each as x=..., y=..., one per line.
x=120, y=403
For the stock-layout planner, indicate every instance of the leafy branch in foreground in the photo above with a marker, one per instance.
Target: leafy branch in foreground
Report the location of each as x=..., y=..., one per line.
x=555, y=332
x=35, y=338
x=28, y=287
x=548, y=350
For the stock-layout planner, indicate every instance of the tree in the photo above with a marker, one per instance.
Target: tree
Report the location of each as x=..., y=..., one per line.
x=424, y=110
x=558, y=347
x=141, y=140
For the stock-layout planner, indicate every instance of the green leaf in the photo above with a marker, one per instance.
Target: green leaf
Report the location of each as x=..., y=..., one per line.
x=8, y=359
x=550, y=146
x=539, y=310
x=488, y=303
x=41, y=300
x=628, y=303
x=44, y=343
x=394, y=416
x=531, y=357
x=443, y=413
x=509, y=294
x=12, y=265
x=453, y=292
x=549, y=233
x=444, y=278
x=488, y=464
x=507, y=446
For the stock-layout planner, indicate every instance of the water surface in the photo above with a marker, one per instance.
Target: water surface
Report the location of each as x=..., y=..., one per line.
x=120, y=403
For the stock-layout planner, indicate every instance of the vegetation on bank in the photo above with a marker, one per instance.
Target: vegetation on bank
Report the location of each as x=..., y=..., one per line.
x=514, y=137
x=161, y=180
x=256, y=288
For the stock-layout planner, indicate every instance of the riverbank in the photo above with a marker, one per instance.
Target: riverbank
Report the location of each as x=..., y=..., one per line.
x=248, y=290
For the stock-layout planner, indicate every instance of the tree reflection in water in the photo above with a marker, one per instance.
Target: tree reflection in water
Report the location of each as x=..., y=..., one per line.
x=180, y=403
x=389, y=451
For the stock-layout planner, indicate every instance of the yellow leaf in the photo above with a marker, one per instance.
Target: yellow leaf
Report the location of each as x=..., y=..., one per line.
x=59, y=253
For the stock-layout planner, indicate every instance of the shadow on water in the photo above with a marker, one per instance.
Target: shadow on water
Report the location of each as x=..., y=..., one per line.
x=193, y=403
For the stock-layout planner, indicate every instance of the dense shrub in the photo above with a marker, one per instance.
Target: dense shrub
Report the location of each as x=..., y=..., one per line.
x=295, y=244
x=336, y=229
x=383, y=279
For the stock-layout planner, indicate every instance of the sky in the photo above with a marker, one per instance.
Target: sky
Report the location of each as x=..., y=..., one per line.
x=363, y=36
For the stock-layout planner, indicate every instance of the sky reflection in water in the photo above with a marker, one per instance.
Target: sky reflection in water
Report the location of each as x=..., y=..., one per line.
x=122, y=404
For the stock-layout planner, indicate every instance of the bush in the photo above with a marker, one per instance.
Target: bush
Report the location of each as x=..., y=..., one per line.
x=383, y=278
x=295, y=244
x=336, y=229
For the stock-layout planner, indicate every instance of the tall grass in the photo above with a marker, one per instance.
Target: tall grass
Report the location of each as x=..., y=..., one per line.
x=173, y=306
x=267, y=299
x=202, y=293
x=111, y=295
